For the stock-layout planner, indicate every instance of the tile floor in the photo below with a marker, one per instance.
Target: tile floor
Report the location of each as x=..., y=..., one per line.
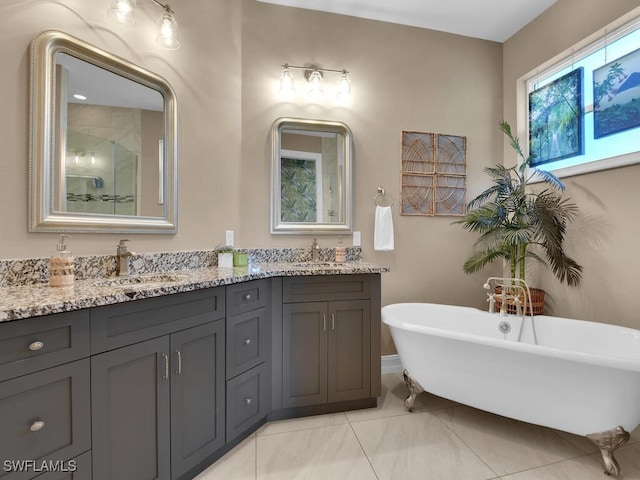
x=439, y=440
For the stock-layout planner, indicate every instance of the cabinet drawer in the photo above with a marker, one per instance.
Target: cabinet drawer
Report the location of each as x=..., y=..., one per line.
x=247, y=341
x=326, y=287
x=243, y=297
x=114, y=326
x=247, y=400
x=45, y=416
x=78, y=468
x=42, y=342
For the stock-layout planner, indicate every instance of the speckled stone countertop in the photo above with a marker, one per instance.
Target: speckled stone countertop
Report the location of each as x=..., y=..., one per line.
x=24, y=301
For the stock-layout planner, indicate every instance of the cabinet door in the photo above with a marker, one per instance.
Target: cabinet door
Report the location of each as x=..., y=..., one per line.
x=349, y=350
x=197, y=395
x=44, y=418
x=304, y=370
x=130, y=412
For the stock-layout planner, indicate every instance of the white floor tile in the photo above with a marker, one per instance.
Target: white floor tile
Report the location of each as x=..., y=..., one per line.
x=312, y=454
x=439, y=440
x=391, y=402
x=238, y=464
x=507, y=445
x=418, y=446
x=303, y=423
x=584, y=468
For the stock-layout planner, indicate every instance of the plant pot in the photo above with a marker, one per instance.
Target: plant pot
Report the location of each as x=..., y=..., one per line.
x=240, y=259
x=225, y=260
x=537, y=302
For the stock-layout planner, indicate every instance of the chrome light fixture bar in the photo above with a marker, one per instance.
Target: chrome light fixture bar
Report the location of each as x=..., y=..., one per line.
x=315, y=77
x=123, y=11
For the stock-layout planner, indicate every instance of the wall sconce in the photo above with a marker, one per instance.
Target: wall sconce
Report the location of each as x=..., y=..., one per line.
x=315, y=77
x=123, y=11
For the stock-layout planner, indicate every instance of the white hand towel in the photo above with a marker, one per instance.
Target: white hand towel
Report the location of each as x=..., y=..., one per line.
x=383, y=231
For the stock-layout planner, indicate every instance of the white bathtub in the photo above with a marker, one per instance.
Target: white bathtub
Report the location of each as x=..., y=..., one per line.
x=582, y=377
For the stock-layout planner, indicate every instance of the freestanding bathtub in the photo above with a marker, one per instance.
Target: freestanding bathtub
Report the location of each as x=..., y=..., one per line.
x=581, y=377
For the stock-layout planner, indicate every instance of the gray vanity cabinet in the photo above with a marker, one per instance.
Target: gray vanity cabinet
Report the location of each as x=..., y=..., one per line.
x=327, y=340
x=44, y=394
x=158, y=404
x=327, y=349
x=197, y=395
x=248, y=351
x=131, y=412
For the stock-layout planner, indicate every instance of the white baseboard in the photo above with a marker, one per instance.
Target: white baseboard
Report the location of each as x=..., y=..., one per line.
x=391, y=364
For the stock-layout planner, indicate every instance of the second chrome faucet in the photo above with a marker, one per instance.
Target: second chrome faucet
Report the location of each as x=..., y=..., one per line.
x=122, y=254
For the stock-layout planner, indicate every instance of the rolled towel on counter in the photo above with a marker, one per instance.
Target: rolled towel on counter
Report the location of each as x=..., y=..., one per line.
x=383, y=230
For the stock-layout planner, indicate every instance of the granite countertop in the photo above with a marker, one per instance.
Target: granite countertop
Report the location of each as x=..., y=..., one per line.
x=17, y=302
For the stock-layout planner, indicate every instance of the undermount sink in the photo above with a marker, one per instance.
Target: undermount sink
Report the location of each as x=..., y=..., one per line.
x=140, y=280
x=318, y=264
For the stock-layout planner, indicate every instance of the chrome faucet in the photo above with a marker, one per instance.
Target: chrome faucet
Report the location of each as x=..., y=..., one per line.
x=315, y=251
x=516, y=290
x=122, y=253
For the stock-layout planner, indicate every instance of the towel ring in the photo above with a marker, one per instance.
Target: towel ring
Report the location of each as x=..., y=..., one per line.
x=381, y=194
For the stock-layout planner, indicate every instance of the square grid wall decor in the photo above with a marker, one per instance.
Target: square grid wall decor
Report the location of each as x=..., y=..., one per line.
x=434, y=174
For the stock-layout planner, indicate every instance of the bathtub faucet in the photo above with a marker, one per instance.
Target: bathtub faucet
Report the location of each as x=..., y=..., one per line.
x=516, y=290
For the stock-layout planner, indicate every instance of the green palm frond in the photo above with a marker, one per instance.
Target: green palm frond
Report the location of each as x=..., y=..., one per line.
x=482, y=258
x=510, y=219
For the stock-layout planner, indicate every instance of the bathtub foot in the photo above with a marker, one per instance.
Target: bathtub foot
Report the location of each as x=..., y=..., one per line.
x=414, y=390
x=607, y=442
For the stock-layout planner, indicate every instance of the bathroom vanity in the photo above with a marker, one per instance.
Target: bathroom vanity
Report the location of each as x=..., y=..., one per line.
x=160, y=380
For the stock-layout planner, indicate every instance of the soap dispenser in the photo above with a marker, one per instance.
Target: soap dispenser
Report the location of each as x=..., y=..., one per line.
x=341, y=252
x=61, y=270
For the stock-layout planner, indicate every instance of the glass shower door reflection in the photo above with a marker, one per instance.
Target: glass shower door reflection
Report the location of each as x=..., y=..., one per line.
x=101, y=176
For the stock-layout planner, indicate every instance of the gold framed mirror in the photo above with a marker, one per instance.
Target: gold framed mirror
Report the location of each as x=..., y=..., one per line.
x=311, y=176
x=103, y=142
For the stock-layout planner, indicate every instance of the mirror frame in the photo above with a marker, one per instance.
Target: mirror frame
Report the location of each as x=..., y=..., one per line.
x=277, y=225
x=42, y=141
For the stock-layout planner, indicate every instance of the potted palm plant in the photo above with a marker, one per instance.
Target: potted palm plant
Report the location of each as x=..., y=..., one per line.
x=515, y=223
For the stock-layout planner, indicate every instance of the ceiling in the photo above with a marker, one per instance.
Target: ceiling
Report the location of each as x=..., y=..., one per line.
x=495, y=20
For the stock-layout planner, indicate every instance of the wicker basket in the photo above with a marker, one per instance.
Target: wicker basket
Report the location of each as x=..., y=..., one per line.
x=537, y=302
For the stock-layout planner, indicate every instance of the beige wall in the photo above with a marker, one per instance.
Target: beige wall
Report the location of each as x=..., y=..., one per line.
x=205, y=74
x=402, y=79
x=225, y=77
x=603, y=240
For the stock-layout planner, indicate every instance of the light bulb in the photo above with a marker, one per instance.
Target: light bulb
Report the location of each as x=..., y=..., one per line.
x=122, y=10
x=76, y=159
x=168, y=37
x=93, y=159
x=287, y=90
x=344, y=87
x=315, y=86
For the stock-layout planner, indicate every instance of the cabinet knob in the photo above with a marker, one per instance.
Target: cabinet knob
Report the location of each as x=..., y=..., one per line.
x=35, y=346
x=247, y=400
x=37, y=425
x=247, y=341
x=247, y=296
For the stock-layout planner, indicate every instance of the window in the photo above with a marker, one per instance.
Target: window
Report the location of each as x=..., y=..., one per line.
x=584, y=111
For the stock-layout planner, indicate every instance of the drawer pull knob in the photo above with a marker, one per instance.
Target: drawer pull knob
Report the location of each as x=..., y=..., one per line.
x=247, y=296
x=247, y=400
x=35, y=346
x=247, y=341
x=35, y=426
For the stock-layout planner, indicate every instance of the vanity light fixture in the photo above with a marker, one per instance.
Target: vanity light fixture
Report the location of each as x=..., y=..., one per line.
x=315, y=77
x=123, y=11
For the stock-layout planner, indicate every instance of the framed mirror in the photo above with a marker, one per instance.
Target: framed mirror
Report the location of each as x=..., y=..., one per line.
x=311, y=176
x=103, y=142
